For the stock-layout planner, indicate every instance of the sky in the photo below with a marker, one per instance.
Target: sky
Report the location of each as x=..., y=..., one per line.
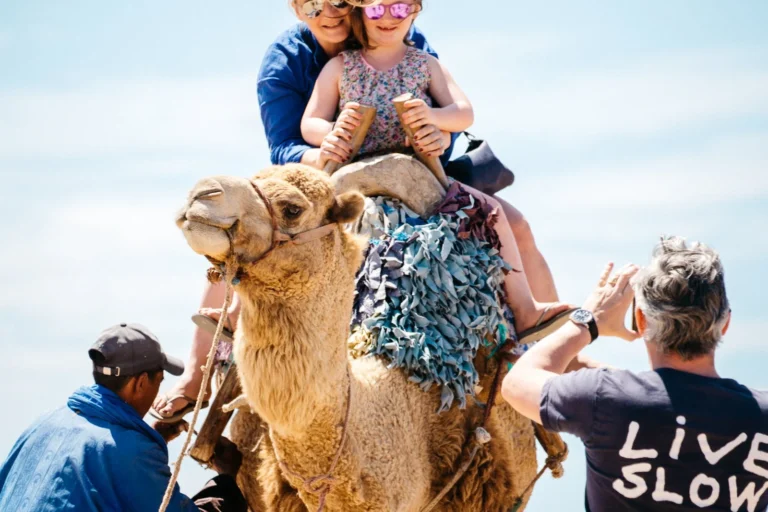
x=622, y=121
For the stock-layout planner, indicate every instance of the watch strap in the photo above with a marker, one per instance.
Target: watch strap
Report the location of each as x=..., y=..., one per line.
x=592, y=325
x=579, y=317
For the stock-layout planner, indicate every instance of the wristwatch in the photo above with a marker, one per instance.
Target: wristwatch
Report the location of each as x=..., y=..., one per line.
x=587, y=319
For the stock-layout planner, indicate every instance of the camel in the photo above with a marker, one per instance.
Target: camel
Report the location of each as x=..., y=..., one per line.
x=316, y=410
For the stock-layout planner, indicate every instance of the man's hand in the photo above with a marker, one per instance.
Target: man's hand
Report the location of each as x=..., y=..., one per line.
x=170, y=431
x=524, y=384
x=611, y=300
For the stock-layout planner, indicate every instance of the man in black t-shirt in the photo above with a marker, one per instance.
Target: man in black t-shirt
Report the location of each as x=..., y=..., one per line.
x=676, y=438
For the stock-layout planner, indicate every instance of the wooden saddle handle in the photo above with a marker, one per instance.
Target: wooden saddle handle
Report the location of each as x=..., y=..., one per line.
x=217, y=419
x=358, y=136
x=432, y=163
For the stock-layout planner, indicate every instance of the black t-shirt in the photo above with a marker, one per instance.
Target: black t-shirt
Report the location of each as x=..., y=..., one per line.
x=664, y=440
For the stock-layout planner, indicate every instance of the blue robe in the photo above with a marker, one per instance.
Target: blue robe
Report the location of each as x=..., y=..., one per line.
x=94, y=454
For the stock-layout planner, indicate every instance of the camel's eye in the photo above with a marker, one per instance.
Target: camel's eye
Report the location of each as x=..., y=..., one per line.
x=209, y=194
x=292, y=212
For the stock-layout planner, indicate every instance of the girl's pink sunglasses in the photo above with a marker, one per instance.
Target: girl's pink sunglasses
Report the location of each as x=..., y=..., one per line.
x=399, y=11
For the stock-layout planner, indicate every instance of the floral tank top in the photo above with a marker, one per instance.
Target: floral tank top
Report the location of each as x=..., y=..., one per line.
x=361, y=83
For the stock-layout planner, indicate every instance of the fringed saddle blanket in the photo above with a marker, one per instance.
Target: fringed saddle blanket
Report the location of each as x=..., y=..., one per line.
x=430, y=292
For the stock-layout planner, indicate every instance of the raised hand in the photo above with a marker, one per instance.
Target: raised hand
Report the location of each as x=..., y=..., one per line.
x=611, y=300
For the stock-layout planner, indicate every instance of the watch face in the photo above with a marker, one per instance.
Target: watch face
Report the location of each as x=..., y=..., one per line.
x=582, y=316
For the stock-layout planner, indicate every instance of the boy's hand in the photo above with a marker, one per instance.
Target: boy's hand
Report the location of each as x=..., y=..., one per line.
x=418, y=114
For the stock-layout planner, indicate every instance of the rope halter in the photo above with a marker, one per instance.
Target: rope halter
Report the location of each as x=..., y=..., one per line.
x=279, y=238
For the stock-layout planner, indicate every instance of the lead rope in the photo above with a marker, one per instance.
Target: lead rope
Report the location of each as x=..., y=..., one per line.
x=228, y=270
x=553, y=463
x=482, y=437
x=321, y=485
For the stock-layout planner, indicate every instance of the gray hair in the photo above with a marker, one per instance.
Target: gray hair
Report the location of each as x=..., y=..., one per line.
x=682, y=293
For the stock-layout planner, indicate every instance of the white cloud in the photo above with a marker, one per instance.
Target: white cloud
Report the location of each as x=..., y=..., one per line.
x=203, y=114
x=661, y=94
x=604, y=209
x=497, y=48
x=33, y=359
x=728, y=169
x=84, y=265
x=745, y=335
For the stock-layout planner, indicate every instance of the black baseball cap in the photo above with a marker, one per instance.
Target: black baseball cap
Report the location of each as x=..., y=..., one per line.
x=131, y=349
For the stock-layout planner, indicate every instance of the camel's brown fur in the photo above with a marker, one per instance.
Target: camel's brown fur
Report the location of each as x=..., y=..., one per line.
x=291, y=351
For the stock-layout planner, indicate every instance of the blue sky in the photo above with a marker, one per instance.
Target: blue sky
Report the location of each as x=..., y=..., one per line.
x=622, y=120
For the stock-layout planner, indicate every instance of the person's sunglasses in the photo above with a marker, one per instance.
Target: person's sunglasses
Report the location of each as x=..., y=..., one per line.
x=399, y=11
x=313, y=8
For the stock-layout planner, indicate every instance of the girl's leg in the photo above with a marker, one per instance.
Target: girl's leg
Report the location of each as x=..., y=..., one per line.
x=189, y=383
x=528, y=312
x=540, y=278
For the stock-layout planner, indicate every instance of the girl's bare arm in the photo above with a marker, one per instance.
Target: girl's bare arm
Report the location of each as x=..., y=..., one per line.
x=323, y=104
x=455, y=113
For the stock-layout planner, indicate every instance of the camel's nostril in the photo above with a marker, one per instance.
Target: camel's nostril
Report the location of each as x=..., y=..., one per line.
x=209, y=194
x=181, y=217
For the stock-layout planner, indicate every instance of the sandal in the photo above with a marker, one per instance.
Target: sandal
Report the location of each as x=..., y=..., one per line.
x=178, y=415
x=209, y=325
x=542, y=330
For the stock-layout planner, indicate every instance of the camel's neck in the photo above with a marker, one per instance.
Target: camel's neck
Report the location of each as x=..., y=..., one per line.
x=292, y=350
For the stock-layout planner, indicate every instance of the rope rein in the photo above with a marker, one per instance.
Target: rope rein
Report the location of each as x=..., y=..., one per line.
x=552, y=463
x=321, y=485
x=203, y=386
x=482, y=437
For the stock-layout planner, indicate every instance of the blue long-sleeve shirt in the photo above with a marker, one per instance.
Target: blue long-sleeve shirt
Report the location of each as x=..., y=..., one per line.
x=286, y=79
x=95, y=454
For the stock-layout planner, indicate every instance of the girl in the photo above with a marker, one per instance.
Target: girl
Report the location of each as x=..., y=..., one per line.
x=386, y=66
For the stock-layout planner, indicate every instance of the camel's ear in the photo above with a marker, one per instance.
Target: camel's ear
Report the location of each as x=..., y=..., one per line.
x=347, y=207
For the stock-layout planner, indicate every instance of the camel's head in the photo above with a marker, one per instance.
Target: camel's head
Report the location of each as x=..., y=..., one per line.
x=227, y=215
